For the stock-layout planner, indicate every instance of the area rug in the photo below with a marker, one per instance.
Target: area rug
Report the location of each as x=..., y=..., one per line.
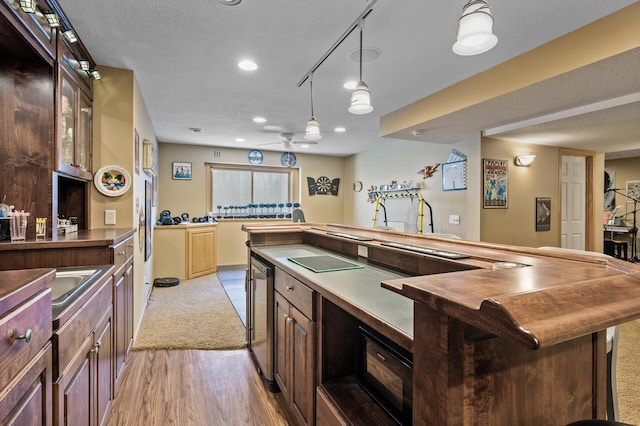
x=196, y=314
x=628, y=372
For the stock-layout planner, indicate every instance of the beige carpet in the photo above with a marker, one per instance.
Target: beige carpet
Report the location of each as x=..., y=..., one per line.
x=196, y=314
x=628, y=372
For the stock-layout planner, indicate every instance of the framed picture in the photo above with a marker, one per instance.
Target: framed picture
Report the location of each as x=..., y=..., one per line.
x=543, y=214
x=181, y=171
x=155, y=191
x=495, y=175
x=112, y=181
x=148, y=193
x=633, y=191
x=136, y=152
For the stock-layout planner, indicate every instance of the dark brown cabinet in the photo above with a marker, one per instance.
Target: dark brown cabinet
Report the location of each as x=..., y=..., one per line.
x=295, y=334
x=122, y=305
x=25, y=348
x=83, y=362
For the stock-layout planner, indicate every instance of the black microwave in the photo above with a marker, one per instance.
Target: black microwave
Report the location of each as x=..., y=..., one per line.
x=385, y=371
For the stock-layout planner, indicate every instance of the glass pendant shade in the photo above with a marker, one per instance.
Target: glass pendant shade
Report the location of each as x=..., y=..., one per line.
x=475, y=29
x=313, y=130
x=28, y=6
x=361, y=99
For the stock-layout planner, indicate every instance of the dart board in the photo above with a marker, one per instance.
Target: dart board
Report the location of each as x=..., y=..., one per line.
x=323, y=185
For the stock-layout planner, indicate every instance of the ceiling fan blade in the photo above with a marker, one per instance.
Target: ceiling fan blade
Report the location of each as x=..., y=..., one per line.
x=306, y=142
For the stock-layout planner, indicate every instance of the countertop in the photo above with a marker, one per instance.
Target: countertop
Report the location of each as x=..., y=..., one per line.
x=554, y=297
x=82, y=238
x=17, y=286
x=358, y=287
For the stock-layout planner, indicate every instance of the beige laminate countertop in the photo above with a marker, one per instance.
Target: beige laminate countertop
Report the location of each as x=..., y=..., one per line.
x=82, y=238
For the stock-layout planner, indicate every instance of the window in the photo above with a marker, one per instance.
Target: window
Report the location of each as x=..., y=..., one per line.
x=245, y=191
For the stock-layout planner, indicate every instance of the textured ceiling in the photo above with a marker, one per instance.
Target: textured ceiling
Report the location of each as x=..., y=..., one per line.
x=184, y=55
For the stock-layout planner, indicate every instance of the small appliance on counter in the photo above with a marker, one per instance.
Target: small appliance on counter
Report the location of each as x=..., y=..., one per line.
x=67, y=226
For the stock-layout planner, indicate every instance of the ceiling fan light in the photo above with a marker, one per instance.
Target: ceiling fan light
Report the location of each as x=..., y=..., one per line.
x=361, y=99
x=28, y=6
x=313, y=130
x=475, y=29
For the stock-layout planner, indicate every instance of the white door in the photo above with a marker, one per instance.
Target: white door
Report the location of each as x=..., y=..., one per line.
x=573, y=184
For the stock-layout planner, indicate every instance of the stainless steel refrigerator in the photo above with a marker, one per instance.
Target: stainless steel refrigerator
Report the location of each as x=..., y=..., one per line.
x=260, y=318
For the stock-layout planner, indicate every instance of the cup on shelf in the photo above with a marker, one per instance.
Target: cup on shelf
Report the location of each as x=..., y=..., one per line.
x=18, y=225
x=41, y=228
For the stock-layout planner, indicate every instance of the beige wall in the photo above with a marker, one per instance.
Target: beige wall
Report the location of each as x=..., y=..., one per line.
x=190, y=196
x=118, y=109
x=401, y=160
x=516, y=224
x=626, y=169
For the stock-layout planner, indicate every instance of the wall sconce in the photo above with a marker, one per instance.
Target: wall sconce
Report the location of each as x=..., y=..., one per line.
x=28, y=6
x=524, y=160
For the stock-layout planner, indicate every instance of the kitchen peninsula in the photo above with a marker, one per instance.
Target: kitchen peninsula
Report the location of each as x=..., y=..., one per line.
x=497, y=334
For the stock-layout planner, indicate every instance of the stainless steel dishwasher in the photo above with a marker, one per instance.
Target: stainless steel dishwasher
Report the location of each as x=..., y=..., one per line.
x=260, y=318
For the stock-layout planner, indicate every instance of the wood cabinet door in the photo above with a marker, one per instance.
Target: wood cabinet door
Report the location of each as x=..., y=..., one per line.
x=302, y=366
x=119, y=328
x=104, y=369
x=281, y=341
x=76, y=403
x=128, y=283
x=201, y=252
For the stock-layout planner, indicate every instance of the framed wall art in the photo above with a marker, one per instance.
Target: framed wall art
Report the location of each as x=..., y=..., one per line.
x=543, y=214
x=136, y=153
x=454, y=176
x=633, y=191
x=495, y=175
x=181, y=171
x=112, y=181
x=148, y=193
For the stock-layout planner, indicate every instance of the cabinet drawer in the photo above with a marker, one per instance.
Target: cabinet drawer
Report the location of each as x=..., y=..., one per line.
x=122, y=252
x=33, y=315
x=70, y=337
x=295, y=292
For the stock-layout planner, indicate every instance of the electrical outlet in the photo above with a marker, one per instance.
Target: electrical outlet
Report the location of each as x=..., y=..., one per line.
x=454, y=219
x=109, y=217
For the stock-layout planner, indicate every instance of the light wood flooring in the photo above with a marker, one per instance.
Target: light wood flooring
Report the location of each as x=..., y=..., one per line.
x=194, y=387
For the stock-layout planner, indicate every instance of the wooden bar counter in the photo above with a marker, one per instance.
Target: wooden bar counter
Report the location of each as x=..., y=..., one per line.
x=502, y=335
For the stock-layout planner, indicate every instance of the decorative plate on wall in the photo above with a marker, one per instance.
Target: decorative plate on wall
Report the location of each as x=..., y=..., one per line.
x=255, y=157
x=112, y=181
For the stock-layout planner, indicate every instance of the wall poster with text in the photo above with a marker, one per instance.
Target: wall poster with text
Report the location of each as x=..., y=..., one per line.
x=495, y=176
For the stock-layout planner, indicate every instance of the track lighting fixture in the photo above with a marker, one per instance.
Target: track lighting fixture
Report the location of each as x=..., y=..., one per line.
x=52, y=19
x=71, y=36
x=95, y=74
x=475, y=29
x=28, y=6
x=313, y=128
x=361, y=96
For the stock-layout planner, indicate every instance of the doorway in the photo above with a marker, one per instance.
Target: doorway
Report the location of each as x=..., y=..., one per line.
x=573, y=193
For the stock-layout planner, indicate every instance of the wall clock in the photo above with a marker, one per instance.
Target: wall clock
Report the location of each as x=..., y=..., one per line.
x=256, y=157
x=288, y=159
x=357, y=186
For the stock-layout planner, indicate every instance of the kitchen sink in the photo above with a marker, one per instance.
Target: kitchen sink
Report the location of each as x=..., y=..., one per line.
x=70, y=283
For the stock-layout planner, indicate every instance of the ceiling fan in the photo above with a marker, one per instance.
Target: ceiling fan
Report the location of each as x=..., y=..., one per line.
x=287, y=139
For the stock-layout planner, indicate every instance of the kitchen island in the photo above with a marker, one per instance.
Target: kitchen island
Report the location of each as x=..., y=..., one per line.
x=500, y=334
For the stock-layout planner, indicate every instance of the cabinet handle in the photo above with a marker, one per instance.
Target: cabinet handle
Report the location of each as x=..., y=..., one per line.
x=121, y=253
x=96, y=348
x=289, y=288
x=289, y=319
x=131, y=245
x=285, y=316
x=379, y=355
x=27, y=336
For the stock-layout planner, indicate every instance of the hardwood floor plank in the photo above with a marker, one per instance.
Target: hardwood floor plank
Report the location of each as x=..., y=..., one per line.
x=194, y=388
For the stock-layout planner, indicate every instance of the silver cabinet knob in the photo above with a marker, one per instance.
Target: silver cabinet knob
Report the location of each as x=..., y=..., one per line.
x=27, y=336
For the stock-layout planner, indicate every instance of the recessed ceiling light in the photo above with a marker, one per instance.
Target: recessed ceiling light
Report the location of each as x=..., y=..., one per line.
x=304, y=145
x=240, y=140
x=272, y=128
x=350, y=85
x=340, y=129
x=369, y=54
x=247, y=65
x=195, y=129
x=259, y=119
x=230, y=2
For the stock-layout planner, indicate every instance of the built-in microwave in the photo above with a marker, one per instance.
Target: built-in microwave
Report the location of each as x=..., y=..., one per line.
x=385, y=371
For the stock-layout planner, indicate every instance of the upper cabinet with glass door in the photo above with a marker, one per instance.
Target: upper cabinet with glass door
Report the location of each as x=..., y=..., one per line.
x=74, y=105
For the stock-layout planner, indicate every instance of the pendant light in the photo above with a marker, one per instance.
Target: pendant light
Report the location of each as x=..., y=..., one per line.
x=313, y=128
x=475, y=29
x=361, y=97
